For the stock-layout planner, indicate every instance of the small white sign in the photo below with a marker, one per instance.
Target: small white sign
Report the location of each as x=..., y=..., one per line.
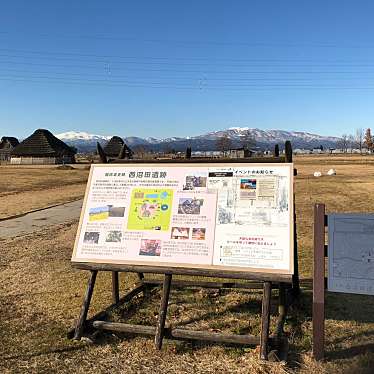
x=351, y=253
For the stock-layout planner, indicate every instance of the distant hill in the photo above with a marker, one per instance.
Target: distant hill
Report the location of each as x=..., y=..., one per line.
x=265, y=139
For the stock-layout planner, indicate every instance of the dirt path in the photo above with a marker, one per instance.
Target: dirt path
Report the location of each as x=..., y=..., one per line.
x=39, y=220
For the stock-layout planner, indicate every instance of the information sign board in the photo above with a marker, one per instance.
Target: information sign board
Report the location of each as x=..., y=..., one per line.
x=210, y=216
x=351, y=253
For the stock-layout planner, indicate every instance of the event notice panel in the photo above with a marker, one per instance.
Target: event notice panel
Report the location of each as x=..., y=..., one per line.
x=210, y=216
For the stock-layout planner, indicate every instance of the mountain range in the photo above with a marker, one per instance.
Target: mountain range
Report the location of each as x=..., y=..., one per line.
x=264, y=139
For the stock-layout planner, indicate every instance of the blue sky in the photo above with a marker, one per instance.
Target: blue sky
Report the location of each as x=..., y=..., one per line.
x=172, y=68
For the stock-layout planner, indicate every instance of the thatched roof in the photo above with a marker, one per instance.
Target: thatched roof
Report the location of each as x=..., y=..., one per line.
x=114, y=146
x=10, y=140
x=42, y=143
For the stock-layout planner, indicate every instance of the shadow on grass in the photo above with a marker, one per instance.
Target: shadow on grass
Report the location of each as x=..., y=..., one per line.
x=351, y=352
x=27, y=356
x=349, y=307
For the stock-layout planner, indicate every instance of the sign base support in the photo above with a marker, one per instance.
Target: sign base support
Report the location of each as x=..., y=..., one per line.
x=268, y=343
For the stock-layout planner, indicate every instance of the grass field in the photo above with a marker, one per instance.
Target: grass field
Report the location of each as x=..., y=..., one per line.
x=40, y=297
x=25, y=188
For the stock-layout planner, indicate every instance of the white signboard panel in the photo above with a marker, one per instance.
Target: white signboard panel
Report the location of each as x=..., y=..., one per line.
x=351, y=253
x=229, y=216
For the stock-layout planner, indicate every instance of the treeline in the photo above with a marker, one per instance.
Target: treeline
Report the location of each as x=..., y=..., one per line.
x=361, y=139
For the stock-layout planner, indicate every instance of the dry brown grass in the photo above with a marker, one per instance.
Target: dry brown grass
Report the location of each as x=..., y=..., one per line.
x=40, y=297
x=26, y=188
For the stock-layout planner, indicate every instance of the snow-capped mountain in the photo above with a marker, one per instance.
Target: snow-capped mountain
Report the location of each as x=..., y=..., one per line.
x=80, y=135
x=84, y=141
x=271, y=136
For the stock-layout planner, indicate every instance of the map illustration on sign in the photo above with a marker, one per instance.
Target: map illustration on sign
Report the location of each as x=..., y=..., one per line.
x=150, y=209
x=351, y=253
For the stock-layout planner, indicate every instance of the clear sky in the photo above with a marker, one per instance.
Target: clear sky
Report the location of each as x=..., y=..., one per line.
x=178, y=68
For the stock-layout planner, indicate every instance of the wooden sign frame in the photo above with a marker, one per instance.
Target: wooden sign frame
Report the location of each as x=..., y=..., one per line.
x=199, y=269
x=255, y=279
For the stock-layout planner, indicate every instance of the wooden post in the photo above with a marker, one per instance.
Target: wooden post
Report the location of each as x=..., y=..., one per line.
x=276, y=150
x=282, y=309
x=288, y=151
x=163, y=310
x=79, y=328
x=319, y=282
x=115, y=286
x=265, y=323
x=295, y=277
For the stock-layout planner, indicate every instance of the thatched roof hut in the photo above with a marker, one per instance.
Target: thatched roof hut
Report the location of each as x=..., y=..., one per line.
x=114, y=147
x=7, y=143
x=42, y=147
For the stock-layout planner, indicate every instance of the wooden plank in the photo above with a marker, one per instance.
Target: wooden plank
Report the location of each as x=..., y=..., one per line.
x=215, y=337
x=85, y=306
x=185, y=283
x=265, y=322
x=259, y=276
x=124, y=327
x=115, y=287
x=319, y=282
x=179, y=334
x=163, y=311
x=104, y=313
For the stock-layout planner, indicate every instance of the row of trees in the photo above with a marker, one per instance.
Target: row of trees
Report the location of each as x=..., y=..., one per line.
x=223, y=144
x=361, y=139
x=246, y=141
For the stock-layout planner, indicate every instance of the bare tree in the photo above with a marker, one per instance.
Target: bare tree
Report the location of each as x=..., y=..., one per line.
x=351, y=142
x=359, y=138
x=167, y=149
x=140, y=151
x=223, y=143
x=343, y=143
x=247, y=140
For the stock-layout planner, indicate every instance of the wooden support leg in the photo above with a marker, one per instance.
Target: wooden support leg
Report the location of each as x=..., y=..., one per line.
x=115, y=287
x=282, y=309
x=264, y=339
x=163, y=310
x=319, y=283
x=86, y=304
x=295, y=276
x=140, y=276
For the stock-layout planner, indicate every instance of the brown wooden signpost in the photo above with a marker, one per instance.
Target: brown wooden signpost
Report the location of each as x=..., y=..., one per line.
x=320, y=251
x=286, y=282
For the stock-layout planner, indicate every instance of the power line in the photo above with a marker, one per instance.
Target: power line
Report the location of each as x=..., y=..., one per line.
x=254, y=63
x=196, y=79
x=163, y=58
x=200, y=71
x=134, y=84
x=261, y=44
